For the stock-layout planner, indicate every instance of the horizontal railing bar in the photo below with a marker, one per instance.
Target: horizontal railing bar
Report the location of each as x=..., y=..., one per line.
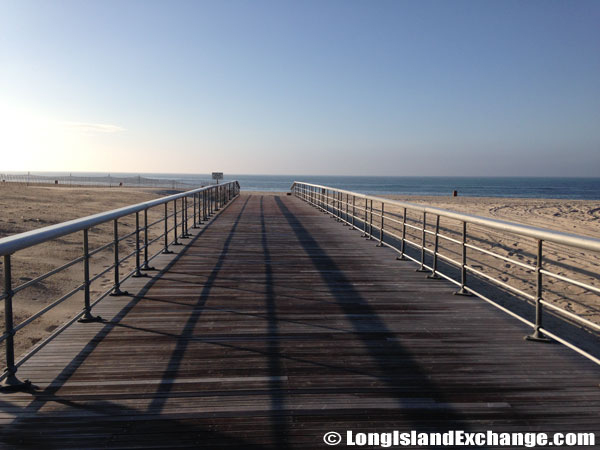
x=391, y=219
x=496, y=226
x=104, y=247
x=503, y=258
x=499, y=282
x=414, y=227
x=162, y=219
x=11, y=244
x=571, y=281
x=446, y=277
x=59, y=330
x=450, y=260
x=48, y=308
x=55, y=333
x=544, y=234
x=497, y=305
x=414, y=244
x=571, y=315
x=447, y=238
x=108, y=269
x=571, y=346
x=126, y=257
x=46, y=275
x=40, y=345
x=156, y=239
x=128, y=235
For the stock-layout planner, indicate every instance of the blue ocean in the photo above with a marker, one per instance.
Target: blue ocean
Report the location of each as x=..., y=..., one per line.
x=525, y=187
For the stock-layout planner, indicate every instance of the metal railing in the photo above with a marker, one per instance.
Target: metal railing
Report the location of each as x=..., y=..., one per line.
x=98, y=181
x=202, y=202
x=401, y=232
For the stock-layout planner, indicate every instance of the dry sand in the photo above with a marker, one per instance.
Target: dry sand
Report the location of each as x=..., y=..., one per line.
x=572, y=216
x=26, y=208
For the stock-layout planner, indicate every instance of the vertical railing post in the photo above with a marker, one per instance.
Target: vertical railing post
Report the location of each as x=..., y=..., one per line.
x=138, y=250
x=370, y=220
x=434, y=275
x=423, y=242
x=380, y=244
x=183, y=217
x=537, y=333
x=403, y=241
x=175, y=242
x=200, y=208
x=87, y=309
x=117, y=288
x=463, y=263
x=187, y=219
x=353, y=210
x=166, y=249
x=10, y=382
x=347, y=206
x=146, y=265
x=366, y=219
x=217, y=191
x=195, y=211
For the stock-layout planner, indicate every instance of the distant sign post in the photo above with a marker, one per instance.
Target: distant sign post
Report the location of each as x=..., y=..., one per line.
x=217, y=176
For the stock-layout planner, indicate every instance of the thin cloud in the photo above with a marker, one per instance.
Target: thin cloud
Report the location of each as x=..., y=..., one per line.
x=93, y=128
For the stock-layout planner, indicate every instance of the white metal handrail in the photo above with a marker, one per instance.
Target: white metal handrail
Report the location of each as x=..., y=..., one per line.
x=348, y=210
x=574, y=240
x=205, y=201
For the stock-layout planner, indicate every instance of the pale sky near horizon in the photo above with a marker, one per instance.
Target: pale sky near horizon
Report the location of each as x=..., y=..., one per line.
x=313, y=87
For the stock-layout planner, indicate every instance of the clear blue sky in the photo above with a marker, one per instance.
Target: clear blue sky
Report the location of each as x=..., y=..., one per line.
x=310, y=87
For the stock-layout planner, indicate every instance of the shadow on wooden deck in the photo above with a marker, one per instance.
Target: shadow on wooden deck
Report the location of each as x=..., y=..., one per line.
x=275, y=325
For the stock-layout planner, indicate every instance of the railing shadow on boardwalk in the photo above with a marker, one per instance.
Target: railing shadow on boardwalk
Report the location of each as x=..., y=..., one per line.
x=406, y=377
x=350, y=301
x=19, y=433
x=584, y=338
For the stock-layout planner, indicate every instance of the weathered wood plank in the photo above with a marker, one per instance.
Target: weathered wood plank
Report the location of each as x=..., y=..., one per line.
x=274, y=325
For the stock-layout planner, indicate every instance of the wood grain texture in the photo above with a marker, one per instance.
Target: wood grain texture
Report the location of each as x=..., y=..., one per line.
x=273, y=325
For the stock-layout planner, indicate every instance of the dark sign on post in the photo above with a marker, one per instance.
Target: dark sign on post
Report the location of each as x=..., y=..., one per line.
x=217, y=176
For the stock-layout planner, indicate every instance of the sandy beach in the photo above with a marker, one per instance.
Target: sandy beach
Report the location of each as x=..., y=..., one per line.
x=26, y=208
x=580, y=217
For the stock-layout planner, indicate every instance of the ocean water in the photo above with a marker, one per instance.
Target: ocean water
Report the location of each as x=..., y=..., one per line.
x=526, y=187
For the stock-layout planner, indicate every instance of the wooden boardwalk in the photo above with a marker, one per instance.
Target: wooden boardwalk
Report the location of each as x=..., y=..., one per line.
x=274, y=325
